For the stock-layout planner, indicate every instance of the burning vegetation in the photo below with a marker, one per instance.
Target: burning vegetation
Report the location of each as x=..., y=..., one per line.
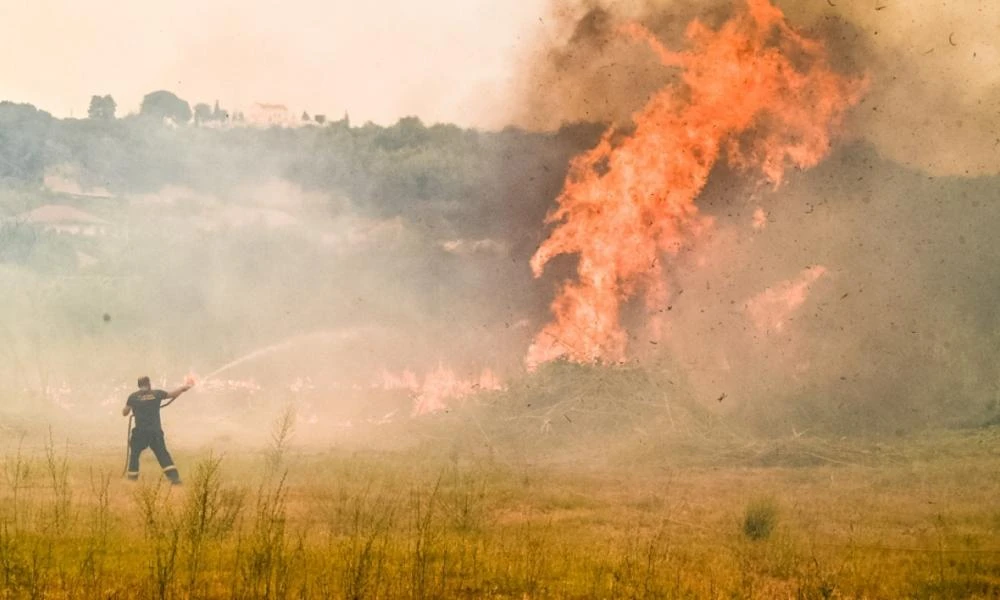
x=754, y=92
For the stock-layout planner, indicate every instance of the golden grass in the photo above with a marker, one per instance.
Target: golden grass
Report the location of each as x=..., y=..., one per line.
x=923, y=523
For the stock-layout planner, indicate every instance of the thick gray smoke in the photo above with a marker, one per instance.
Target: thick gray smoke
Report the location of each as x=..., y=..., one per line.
x=349, y=271
x=857, y=296
x=934, y=103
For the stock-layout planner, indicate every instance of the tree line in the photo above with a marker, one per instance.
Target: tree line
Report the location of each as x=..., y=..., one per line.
x=161, y=104
x=478, y=180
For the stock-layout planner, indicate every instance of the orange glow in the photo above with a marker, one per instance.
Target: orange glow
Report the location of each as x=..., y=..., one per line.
x=770, y=309
x=432, y=393
x=759, y=219
x=755, y=92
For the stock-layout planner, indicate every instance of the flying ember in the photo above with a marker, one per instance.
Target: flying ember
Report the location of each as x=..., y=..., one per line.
x=754, y=92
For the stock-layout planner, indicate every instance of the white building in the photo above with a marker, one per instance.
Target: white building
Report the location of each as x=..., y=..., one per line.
x=270, y=115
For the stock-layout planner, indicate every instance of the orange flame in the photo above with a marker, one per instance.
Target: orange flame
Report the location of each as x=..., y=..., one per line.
x=755, y=91
x=438, y=387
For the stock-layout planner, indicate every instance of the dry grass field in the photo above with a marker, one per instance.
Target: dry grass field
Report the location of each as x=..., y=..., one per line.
x=801, y=517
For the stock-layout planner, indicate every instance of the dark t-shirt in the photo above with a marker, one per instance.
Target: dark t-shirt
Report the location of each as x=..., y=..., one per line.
x=146, y=406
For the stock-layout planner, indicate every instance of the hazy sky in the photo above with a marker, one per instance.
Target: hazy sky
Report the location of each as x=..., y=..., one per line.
x=445, y=60
x=935, y=63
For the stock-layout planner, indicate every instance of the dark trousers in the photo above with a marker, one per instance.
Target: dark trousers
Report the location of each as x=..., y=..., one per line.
x=145, y=438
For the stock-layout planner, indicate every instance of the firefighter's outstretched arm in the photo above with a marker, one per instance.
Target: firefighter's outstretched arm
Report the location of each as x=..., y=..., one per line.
x=177, y=392
x=126, y=410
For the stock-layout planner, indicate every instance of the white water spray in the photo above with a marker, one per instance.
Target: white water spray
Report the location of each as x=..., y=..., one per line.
x=340, y=336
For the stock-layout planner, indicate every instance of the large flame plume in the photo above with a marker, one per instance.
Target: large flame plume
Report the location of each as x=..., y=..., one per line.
x=755, y=92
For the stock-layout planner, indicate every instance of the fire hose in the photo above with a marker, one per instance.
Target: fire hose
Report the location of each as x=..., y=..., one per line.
x=128, y=434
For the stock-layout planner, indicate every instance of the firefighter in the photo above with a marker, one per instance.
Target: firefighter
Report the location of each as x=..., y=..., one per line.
x=148, y=433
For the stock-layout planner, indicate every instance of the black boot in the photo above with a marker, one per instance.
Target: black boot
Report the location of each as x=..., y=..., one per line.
x=172, y=474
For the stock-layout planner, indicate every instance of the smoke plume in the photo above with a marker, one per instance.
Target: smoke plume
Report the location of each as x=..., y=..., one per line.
x=934, y=70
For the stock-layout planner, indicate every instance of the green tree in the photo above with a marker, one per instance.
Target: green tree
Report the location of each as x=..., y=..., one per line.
x=102, y=107
x=408, y=132
x=165, y=105
x=25, y=150
x=219, y=114
x=202, y=113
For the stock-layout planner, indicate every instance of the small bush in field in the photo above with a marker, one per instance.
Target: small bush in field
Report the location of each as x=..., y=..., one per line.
x=759, y=519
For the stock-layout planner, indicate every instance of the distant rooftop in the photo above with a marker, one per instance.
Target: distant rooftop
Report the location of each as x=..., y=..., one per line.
x=271, y=107
x=53, y=214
